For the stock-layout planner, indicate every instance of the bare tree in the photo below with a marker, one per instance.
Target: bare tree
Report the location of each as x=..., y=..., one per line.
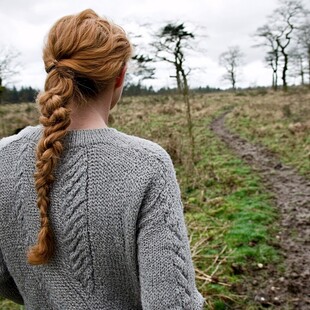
x=285, y=20
x=8, y=66
x=273, y=54
x=299, y=53
x=303, y=39
x=170, y=43
x=278, y=35
x=298, y=64
x=231, y=60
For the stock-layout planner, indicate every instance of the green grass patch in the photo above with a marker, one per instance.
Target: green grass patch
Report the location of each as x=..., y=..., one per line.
x=9, y=305
x=234, y=218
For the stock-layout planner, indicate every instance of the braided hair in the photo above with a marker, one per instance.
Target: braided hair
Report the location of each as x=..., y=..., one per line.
x=83, y=54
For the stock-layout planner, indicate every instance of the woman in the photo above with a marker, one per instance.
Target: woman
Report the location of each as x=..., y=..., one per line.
x=110, y=230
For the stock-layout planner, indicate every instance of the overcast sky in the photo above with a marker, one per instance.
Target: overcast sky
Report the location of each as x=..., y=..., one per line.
x=221, y=23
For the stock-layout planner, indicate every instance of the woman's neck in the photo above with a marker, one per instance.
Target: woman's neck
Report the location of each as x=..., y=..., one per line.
x=91, y=115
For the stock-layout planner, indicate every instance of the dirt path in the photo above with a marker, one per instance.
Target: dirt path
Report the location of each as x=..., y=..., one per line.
x=290, y=290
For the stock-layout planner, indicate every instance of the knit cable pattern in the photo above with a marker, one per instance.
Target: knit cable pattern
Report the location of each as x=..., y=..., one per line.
x=19, y=188
x=116, y=213
x=173, y=218
x=161, y=224
x=75, y=224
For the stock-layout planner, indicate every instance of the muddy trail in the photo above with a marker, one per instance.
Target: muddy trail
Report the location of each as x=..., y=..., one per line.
x=290, y=288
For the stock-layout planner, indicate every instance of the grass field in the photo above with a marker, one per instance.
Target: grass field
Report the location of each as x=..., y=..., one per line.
x=229, y=214
x=281, y=122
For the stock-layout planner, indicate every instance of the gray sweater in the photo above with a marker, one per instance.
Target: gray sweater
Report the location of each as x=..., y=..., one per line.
x=117, y=216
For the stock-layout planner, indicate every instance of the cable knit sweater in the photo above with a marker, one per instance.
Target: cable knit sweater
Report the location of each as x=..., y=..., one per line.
x=117, y=216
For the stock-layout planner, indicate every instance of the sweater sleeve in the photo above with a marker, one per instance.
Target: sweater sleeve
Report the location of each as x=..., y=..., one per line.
x=7, y=140
x=166, y=272
x=8, y=288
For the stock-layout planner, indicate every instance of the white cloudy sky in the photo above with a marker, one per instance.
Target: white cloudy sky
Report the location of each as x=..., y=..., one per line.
x=221, y=23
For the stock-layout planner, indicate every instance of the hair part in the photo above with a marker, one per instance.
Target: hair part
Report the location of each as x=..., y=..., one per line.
x=83, y=54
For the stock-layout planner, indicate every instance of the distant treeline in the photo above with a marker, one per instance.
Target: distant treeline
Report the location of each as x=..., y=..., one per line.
x=141, y=90
x=29, y=94
x=13, y=95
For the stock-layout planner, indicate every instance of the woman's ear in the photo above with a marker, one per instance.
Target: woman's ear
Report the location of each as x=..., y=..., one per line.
x=120, y=78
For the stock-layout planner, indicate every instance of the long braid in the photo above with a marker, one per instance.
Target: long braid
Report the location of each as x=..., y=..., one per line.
x=83, y=54
x=55, y=118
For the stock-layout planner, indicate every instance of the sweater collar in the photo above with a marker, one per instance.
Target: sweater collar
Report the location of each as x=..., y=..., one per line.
x=78, y=137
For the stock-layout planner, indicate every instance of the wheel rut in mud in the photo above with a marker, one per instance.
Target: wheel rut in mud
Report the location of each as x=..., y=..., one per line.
x=289, y=289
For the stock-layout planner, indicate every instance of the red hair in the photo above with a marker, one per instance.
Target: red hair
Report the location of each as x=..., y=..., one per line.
x=83, y=53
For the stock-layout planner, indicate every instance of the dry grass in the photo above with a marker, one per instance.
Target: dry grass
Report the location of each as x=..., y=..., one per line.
x=281, y=122
x=14, y=116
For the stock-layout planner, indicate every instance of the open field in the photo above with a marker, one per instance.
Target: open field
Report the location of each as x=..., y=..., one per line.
x=281, y=122
x=232, y=220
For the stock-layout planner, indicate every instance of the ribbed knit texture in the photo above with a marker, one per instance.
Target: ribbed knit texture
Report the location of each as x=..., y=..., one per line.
x=117, y=216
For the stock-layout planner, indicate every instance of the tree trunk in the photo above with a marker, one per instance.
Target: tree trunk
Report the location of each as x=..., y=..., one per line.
x=274, y=76
x=233, y=80
x=276, y=70
x=1, y=90
x=284, y=71
x=309, y=65
x=179, y=84
x=188, y=116
x=302, y=73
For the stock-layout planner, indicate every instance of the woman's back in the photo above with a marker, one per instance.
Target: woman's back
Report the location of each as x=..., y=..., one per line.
x=117, y=220
x=90, y=218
